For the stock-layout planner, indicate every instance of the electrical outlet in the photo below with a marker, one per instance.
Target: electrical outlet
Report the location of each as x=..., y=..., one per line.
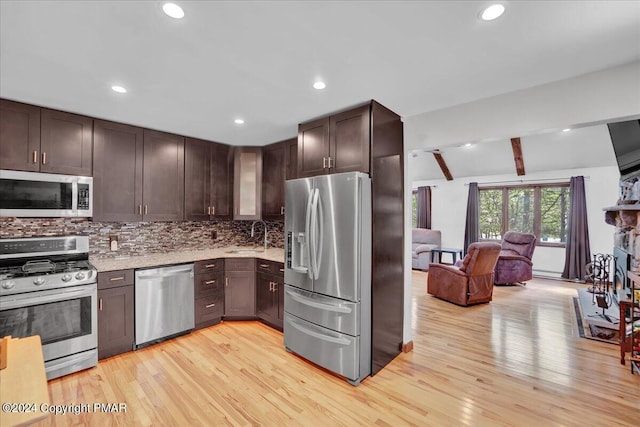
x=113, y=242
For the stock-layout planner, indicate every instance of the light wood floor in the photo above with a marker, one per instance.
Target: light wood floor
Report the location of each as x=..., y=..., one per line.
x=516, y=361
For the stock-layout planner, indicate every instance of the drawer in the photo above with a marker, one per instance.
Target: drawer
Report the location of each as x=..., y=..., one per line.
x=208, y=310
x=208, y=284
x=209, y=265
x=270, y=267
x=332, y=350
x=333, y=313
x=239, y=264
x=113, y=279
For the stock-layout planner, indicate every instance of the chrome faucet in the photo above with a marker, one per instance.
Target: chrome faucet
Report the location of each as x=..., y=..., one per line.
x=266, y=242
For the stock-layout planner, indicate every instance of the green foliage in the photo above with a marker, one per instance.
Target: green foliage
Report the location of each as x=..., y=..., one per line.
x=541, y=210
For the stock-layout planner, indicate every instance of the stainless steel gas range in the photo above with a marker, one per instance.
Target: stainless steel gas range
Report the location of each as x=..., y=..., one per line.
x=48, y=288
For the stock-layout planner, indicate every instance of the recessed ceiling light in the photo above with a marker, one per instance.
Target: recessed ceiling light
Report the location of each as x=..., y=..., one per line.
x=118, y=89
x=566, y=130
x=492, y=12
x=173, y=10
x=238, y=121
x=468, y=144
x=319, y=85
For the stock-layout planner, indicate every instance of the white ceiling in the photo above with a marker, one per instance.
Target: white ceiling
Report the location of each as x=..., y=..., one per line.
x=579, y=148
x=258, y=60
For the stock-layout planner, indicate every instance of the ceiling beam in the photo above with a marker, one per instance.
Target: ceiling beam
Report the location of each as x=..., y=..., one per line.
x=517, y=155
x=443, y=166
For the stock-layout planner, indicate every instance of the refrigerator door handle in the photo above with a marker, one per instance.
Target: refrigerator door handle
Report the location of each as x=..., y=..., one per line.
x=314, y=235
x=311, y=303
x=307, y=235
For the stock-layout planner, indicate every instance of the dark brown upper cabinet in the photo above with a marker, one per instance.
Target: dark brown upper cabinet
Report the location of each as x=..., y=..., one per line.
x=273, y=176
x=208, y=180
x=117, y=172
x=222, y=182
x=42, y=140
x=247, y=179
x=334, y=144
x=19, y=136
x=291, y=158
x=163, y=177
x=66, y=143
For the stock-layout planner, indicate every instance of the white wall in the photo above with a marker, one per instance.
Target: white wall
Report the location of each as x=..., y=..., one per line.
x=449, y=206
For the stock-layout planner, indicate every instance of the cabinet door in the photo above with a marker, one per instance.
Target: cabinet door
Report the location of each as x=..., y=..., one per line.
x=115, y=321
x=19, y=136
x=313, y=148
x=197, y=180
x=117, y=172
x=163, y=182
x=291, y=159
x=66, y=143
x=222, y=182
x=273, y=173
x=349, y=137
x=266, y=298
x=240, y=294
x=247, y=171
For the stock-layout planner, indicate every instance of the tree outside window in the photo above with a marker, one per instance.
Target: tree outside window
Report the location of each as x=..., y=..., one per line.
x=537, y=209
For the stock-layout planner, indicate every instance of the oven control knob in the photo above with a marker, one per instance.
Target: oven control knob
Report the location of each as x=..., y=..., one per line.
x=8, y=284
x=38, y=281
x=66, y=277
x=80, y=276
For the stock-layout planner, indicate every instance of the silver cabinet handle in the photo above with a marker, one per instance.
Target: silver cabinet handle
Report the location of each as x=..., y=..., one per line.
x=209, y=282
x=145, y=209
x=209, y=305
x=139, y=209
x=210, y=266
x=264, y=265
x=114, y=279
x=35, y=156
x=324, y=163
x=44, y=158
x=226, y=282
x=275, y=287
x=282, y=270
x=213, y=210
x=100, y=304
x=208, y=210
x=329, y=162
x=270, y=286
x=281, y=210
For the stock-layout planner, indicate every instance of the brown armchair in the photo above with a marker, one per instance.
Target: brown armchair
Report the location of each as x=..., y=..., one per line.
x=514, y=264
x=471, y=282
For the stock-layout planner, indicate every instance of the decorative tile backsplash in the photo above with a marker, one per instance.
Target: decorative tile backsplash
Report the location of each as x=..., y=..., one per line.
x=143, y=238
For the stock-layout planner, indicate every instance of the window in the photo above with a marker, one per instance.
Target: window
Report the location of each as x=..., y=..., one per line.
x=537, y=209
x=414, y=208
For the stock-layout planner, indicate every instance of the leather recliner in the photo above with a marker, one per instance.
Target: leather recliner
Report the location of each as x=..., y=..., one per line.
x=514, y=264
x=469, y=283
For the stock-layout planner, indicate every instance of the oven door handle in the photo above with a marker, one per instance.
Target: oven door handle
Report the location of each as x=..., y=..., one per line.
x=54, y=295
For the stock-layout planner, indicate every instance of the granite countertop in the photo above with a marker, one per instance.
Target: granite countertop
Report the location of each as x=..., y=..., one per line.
x=178, y=257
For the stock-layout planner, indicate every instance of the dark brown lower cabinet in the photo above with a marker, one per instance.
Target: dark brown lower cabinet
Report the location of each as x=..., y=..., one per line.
x=270, y=293
x=209, y=292
x=240, y=288
x=115, y=313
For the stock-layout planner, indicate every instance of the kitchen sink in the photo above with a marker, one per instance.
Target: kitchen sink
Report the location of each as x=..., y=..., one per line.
x=246, y=251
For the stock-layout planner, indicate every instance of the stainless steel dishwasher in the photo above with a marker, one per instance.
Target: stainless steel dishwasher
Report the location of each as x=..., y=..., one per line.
x=164, y=302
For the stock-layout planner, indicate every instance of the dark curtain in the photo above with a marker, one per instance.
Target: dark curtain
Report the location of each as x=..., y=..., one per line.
x=472, y=225
x=578, y=252
x=424, y=207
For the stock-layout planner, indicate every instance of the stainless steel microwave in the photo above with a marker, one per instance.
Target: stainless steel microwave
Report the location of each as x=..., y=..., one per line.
x=32, y=194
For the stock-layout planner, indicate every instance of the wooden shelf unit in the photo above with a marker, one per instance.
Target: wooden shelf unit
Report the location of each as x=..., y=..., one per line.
x=634, y=359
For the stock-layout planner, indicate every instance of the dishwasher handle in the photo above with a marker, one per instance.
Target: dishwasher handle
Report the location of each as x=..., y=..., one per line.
x=160, y=273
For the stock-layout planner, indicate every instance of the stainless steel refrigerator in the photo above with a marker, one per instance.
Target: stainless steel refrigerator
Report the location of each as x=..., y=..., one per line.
x=327, y=298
